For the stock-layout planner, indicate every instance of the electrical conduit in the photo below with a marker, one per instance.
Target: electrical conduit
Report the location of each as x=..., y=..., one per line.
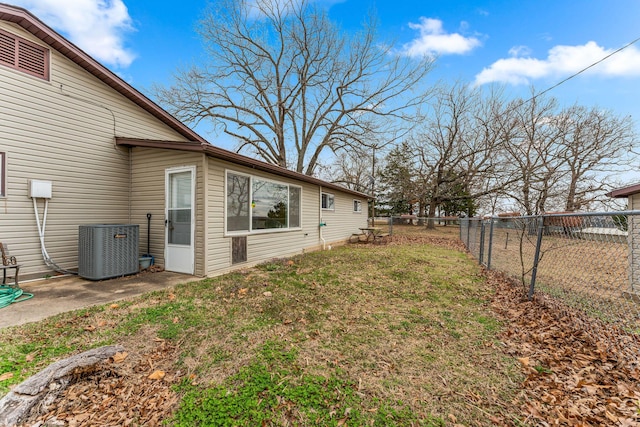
x=47, y=259
x=324, y=243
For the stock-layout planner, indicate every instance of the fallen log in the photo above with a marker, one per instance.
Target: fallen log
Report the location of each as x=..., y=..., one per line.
x=47, y=384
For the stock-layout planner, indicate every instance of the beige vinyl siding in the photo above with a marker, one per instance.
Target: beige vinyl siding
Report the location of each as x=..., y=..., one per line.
x=63, y=131
x=148, y=196
x=261, y=246
x=218, y=247
x=264, y=246
x=633, y=241
x=343, y=221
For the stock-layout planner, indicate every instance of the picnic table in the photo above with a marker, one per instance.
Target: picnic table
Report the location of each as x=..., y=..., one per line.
x=368, y=234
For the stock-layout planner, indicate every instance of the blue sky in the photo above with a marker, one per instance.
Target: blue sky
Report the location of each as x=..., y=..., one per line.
x=515, y=43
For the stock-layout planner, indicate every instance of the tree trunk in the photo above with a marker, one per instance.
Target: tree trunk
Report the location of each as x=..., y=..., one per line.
x=432, y=213
x=17, y=405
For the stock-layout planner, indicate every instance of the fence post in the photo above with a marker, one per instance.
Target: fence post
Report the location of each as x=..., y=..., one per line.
x=490, y=244
x=536, y=258
x=481, y=252
x=391, y=226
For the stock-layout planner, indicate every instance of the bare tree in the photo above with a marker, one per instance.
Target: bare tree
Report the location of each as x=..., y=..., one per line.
x=287, y=84
x=564, y=158
x=352, y=168
x=458, y=147
x=532, y=149
x=595, y=144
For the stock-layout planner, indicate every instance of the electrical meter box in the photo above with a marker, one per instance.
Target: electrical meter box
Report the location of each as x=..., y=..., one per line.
x=40, y=189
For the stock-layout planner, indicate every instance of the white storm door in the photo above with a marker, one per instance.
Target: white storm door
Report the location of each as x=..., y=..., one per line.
x=179, y=220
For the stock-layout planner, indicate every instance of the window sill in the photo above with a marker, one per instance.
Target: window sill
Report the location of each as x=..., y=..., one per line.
x=261, y=231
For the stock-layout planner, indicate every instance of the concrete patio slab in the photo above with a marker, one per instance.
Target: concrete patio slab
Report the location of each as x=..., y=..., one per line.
x=58, y=295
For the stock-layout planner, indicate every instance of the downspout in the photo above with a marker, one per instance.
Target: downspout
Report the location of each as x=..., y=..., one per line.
x=320, y=223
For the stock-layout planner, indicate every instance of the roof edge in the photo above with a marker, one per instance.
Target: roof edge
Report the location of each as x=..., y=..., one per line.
x=625, y=191
x=230, y=156
x=33, y=25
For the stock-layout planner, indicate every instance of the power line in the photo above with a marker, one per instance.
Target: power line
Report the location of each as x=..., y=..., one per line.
x=581, y=71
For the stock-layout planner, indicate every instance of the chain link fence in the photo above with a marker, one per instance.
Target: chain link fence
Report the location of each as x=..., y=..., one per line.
x=588, y=261
x=584, y=262
x=587, y=266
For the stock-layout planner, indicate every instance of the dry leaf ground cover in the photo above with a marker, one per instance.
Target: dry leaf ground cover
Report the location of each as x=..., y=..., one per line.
x=592, y=275
x=408, y=333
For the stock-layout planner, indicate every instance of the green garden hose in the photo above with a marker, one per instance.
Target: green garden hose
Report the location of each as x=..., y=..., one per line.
x=11, y=294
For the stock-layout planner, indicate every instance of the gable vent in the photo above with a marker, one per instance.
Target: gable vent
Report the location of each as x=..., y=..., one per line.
x=20, y=54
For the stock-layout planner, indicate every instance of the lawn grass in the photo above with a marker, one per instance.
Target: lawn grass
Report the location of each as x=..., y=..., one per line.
x=397, y=334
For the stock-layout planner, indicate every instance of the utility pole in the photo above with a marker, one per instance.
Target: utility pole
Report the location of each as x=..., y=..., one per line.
x=373, y=191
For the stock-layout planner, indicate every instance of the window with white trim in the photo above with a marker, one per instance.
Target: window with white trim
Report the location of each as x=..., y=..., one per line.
x=23, y=55
x=357, y=206
x=328, y=202
x=2, y=174
x=257, y=204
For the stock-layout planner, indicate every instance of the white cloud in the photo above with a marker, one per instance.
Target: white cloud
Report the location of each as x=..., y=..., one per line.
x=96, y=26
x=433, y=40
x=561, y=61
x=519, y=51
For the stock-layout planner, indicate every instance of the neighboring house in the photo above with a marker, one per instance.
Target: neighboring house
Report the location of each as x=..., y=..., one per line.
x=113, y=156
x=632, y=194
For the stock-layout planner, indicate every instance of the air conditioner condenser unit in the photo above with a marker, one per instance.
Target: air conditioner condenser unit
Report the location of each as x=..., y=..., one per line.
x=107, y=250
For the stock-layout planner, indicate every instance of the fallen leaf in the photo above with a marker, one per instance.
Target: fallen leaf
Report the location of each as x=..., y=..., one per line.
x=114, y=306
x=90, y=328
x=497, y=421
x=524, y=361
x=6, y=376
x=452, y=418
x=171, y=297
x=30, y=357
x=267, y=294
x=176, y=320
x=157, y=375
x=119, y=356
x=611, y=416
x=193, y=377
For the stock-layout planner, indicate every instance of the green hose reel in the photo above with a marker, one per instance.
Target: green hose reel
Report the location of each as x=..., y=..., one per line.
x=11, y=294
